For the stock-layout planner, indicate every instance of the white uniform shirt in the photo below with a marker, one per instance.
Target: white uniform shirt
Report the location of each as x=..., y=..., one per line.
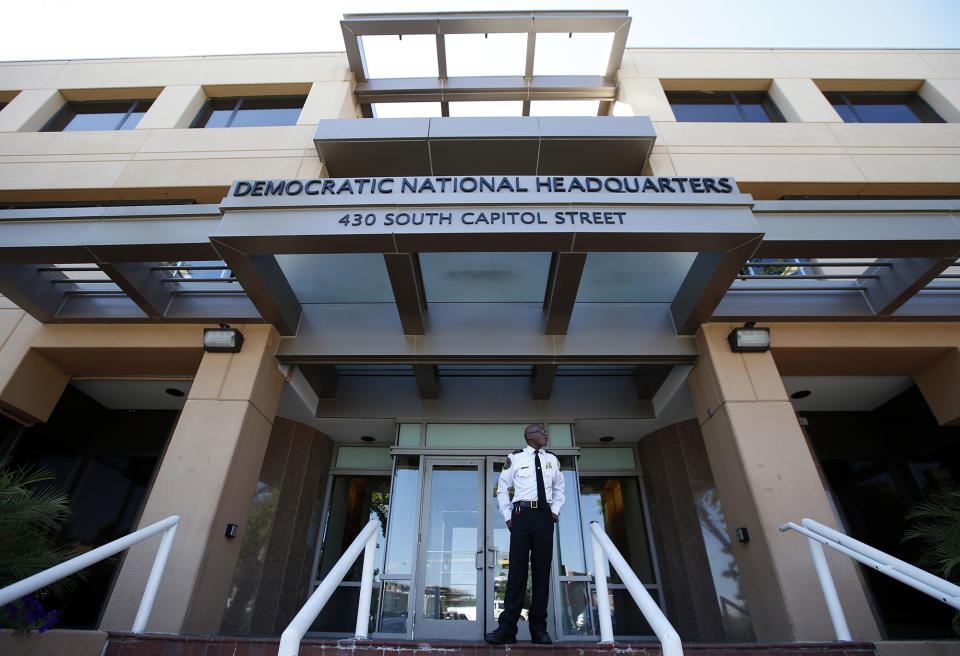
x=521, y=475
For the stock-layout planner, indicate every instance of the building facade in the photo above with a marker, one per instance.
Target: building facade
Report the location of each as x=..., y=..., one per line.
x=413, y=291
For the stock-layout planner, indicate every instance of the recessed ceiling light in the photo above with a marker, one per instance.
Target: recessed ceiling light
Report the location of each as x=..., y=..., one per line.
x=607, y=438
x=367, y=438
x=173, y=391
x=801, y=394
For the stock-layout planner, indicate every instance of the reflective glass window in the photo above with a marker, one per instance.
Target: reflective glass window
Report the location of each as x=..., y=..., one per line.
x=882, y=107
x=403, y=520
x=568, y=537
x=485, y=277
x=409, y=435
x=615, y=502
x=354, y=501
x=394, y=613
x=367, y=457
x=575, y=615
x=450, y=578
x=337, y=277
x=251, y=111
x=633, y=277
x=724, y=106
x=98, y=115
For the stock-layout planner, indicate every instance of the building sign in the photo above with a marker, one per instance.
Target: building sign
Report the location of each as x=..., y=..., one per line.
x=427, y=186
x=480, y=203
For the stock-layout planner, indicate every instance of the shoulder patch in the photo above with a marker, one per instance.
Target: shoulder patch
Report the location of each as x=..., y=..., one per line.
x=507, y=464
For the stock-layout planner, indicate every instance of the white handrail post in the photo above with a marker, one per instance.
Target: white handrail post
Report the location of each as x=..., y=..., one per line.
x=600, y=585
x=153, y=581
x=366, y=541
x=829, y=591
x=366, y=587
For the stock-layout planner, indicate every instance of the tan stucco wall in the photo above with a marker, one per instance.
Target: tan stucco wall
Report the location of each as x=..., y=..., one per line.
x=162, y=157
x=766, y=476
x=37, y=360
x=765, y=472
x=57, y=642
x=208, y=477
x=821, y=155
x=814, y=153
x=209, y=471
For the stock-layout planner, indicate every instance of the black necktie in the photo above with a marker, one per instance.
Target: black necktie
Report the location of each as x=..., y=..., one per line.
x=541, y=492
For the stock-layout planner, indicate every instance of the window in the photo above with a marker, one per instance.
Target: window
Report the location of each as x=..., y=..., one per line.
x=776, y=267
x=724, y=106
x=255, y=111
x=98, y=115
x=882, y=107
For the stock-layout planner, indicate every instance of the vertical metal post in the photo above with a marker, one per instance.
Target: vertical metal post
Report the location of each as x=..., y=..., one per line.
x=600, y=585
x=829, y=591
x=366, y=587
x=153, y=581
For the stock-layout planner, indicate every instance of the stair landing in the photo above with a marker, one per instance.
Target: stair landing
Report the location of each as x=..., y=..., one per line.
x=127, y=644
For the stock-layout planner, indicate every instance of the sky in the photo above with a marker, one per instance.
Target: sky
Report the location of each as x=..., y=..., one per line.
x=80, y=29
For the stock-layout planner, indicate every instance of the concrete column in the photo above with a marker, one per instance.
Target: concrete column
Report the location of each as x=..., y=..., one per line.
x=30, y=384
x=175, y=107
x=801, y=101
x=766, y=475
x=938, y=382
x=646, y=97
x=30, y=110
x=944, y=96
x=208, y=476
x=328, y=100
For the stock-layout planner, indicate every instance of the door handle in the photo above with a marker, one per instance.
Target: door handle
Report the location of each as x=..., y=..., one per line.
x=491, y=557
x=479, y=560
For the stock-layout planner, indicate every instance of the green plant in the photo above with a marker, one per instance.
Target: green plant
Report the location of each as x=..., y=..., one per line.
x=29, y=514
x=937, y=523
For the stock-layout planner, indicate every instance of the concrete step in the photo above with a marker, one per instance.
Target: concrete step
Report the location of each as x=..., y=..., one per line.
x=126, y=644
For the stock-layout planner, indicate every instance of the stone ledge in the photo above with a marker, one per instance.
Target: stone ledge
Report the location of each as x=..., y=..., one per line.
x=56, y=642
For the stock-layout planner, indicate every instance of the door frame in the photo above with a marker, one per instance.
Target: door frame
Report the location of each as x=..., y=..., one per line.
x=424, y=628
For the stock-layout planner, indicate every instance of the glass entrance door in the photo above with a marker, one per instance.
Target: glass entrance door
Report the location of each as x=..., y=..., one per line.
x=464, y=551
x=451, y=558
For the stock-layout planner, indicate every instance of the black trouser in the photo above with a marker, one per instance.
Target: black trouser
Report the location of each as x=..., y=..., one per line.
x=531, y=536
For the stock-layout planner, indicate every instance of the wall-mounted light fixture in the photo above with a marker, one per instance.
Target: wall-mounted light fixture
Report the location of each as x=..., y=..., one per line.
x=222, y=340
x=749, y=339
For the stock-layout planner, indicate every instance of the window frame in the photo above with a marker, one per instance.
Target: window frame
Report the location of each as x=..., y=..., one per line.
x=912, y=101
x=735, y=98
x=206, y=112
x=66, y=114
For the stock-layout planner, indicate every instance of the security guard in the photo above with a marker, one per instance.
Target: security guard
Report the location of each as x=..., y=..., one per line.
x=534, y=474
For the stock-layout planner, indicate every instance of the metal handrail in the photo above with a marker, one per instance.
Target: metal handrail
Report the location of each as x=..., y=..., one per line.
x=169, y=528
x=367, y=541
x=817, y=534
x=603, y=547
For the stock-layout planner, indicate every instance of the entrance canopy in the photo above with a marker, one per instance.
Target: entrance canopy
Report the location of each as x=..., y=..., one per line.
x=543, y=273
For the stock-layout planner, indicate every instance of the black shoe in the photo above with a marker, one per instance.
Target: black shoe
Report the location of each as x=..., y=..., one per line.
x=541, y=639
x=500, y=637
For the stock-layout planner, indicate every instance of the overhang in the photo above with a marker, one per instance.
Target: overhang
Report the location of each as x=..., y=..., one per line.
x=520, y=145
